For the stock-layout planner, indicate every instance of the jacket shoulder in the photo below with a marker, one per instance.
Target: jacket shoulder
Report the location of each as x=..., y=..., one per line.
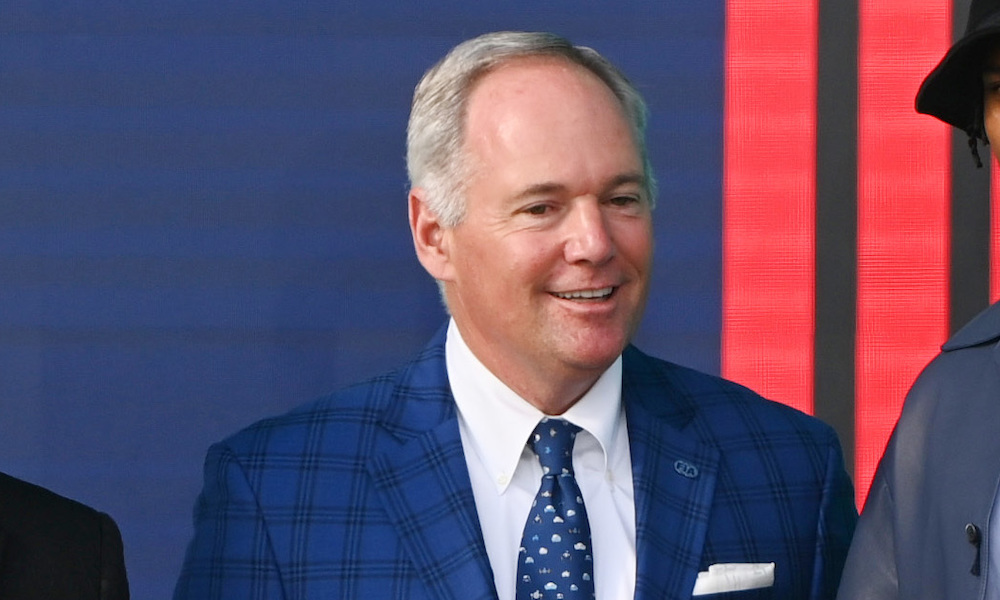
x=963, y=373
x=718, y=402
x=21, y=499
x=409, y=399
x=983, y=328
x=55, y=547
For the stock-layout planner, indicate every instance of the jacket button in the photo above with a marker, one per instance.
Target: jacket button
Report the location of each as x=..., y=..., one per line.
x=972, y=533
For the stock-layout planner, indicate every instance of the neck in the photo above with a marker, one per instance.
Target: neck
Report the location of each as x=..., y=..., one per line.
x=551, y=388
x=552, y=400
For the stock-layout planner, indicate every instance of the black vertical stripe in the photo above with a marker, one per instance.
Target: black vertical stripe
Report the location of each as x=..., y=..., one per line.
x=836, y=218
x=970, y=217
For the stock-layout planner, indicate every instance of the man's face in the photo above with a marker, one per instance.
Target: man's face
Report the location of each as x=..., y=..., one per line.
x=991, y=97
x=550, y=267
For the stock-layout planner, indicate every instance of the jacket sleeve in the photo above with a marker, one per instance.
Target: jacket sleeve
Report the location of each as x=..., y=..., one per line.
x=230, y=556
x=838, y=517
x=114, y=582
x=870, y=572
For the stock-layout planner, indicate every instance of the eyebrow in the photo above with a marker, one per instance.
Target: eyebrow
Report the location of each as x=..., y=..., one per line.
x=540, y=189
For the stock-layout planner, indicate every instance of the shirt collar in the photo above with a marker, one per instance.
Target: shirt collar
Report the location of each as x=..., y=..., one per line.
x=500, y=421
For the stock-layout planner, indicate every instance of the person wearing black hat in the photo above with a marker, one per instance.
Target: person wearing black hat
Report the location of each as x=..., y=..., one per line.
x=930, y=527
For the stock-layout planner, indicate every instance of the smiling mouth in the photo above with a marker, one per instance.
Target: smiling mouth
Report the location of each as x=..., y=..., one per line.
x=599, y=294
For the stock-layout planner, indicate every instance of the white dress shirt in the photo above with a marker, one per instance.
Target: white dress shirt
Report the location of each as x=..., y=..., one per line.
x=495, y=424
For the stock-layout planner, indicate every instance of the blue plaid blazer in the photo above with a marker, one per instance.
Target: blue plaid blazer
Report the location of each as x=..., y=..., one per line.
x=365, y=493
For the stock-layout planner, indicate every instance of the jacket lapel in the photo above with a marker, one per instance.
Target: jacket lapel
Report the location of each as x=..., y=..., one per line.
x=674, y=476
x=420, y=474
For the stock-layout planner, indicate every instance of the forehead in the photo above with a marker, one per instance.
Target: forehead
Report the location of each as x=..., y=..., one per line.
x=551, y=93
x=524, y=75
x=548, y=124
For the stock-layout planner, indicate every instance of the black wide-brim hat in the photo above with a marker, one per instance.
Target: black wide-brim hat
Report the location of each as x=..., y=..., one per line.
x=953, y=91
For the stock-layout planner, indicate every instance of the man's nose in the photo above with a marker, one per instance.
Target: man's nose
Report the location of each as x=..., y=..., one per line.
x=588, y=237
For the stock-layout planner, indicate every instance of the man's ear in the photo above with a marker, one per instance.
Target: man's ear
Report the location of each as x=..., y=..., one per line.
x=431, y=239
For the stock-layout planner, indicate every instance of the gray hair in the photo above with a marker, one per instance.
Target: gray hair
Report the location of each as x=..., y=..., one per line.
x=436, y=132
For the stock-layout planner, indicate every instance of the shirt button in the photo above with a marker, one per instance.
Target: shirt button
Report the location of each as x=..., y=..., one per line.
x=610, y=476
x=502, y=479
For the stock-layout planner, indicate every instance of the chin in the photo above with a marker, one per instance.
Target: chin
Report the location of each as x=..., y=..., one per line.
x=590, y=348
x=597, y=358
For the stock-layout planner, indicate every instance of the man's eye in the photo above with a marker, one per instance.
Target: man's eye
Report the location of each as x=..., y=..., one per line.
x=624, y=200
x=537, y=209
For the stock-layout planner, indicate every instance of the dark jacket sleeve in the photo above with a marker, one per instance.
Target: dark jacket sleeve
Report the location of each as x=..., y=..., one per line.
x=114, y=582
x=838, y=517
x=870, y=572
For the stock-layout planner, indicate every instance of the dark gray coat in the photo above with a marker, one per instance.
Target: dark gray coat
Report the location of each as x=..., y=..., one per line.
x=924, y=529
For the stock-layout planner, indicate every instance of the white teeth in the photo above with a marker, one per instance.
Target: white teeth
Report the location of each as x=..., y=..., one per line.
x=585, y=294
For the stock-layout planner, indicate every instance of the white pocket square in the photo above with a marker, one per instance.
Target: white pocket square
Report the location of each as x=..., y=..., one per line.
x=734, y=577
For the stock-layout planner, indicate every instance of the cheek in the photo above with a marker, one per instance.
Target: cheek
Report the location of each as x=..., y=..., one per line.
x=496, y=268
x=991, y=119
x=527, y=255
x=636, y=243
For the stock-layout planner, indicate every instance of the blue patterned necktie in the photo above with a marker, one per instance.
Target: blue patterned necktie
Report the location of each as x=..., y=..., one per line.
x=555, y=560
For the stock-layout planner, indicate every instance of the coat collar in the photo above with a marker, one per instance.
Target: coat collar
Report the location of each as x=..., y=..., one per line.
x=984, y=327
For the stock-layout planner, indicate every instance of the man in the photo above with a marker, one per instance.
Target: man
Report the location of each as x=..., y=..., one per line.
x=53, y=548
x=530, y=206
x=927, y=530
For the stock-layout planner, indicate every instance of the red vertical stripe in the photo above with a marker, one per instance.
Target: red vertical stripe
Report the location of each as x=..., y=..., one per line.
x=903, y=218
x=769, y=198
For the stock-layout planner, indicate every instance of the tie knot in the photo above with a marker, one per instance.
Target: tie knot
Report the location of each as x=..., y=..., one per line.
x=552, y=440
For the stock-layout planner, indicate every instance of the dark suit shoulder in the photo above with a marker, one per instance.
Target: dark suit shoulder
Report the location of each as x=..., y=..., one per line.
x=55, y=547
x=20, y=499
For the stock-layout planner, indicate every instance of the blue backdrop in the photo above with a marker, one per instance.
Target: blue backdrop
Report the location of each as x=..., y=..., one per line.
x=203, y=221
